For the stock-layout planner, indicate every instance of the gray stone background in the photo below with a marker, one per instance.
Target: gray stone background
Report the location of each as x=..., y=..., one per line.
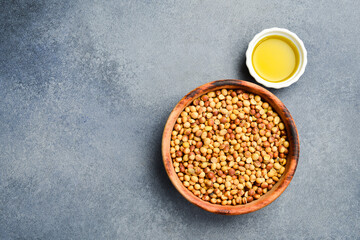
x=85, y=91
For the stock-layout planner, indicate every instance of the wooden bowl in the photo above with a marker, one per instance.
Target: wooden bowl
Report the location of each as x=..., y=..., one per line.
x=291, y=161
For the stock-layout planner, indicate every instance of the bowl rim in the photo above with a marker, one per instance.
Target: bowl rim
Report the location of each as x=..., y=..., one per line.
x=292, y=158
x=292, y=37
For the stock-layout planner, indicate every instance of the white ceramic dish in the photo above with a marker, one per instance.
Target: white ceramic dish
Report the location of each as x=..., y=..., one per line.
x=291, y=36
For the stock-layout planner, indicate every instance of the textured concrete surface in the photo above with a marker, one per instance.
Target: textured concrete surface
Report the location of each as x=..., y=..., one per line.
x=86, y=88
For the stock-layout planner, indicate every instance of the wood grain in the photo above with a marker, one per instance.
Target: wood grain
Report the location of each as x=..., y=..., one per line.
x=292, y=158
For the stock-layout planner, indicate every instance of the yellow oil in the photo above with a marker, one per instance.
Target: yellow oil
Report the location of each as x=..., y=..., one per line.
x=275, y=58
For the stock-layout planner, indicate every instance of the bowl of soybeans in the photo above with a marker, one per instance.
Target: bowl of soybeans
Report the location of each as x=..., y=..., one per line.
x=230, y=147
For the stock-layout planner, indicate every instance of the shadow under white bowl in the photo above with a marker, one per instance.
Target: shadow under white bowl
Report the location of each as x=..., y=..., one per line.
x=292, y=37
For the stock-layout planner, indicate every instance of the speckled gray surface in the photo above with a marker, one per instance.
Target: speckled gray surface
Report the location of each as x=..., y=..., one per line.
x=86, y=88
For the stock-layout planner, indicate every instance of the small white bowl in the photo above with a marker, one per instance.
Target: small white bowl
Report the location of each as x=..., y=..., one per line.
x=292, y=37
